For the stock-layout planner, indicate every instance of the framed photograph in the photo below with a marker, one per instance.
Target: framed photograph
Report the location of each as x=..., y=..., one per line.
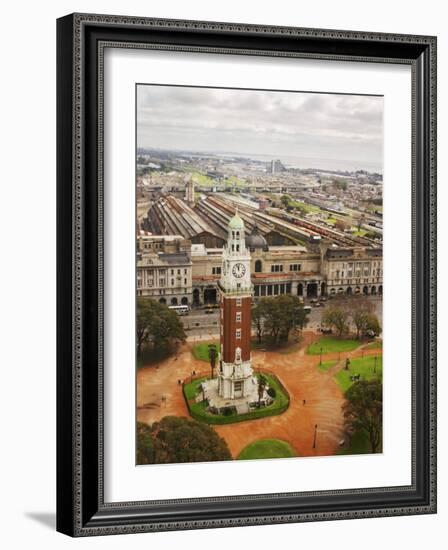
x=246, y=274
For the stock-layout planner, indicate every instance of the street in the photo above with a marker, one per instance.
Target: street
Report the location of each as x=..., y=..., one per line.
x=199, y=325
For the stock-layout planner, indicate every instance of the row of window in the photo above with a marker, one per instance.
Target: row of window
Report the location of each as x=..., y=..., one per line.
x=360, y=265
x=350, y=273
x=278, y=268
x=272, y=290
x=152, y=246
x=162, y=272
x=150, y=282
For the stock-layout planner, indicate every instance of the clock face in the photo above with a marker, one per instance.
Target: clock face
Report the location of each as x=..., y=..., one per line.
x=238, y=270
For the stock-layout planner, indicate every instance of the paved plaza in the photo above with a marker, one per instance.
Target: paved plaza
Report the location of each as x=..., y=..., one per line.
x=315, y=397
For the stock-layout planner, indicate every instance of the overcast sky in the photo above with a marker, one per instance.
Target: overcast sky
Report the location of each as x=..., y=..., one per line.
x=325, y=126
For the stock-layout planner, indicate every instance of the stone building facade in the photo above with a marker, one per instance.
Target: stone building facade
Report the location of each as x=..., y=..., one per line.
x=274, y=270
x=352, y=270
x=164, y=269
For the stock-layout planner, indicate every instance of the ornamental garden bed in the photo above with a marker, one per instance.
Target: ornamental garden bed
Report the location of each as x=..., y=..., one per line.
x=199, y=410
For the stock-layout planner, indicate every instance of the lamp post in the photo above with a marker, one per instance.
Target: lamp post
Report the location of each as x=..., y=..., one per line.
x=320, y=356
x=315, y=434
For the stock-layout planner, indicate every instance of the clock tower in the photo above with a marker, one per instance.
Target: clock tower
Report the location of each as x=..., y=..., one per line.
x=235, y=378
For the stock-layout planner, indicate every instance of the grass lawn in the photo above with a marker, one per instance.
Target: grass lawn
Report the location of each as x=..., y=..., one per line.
x=309, y=208
x=200, y=351
x=329, y=344
x=234, y=181
x=362, y=365
x=266, y=448
x=326, y=365
x=202, y=179
x=198, y=410
x=190, y=390
x=359, y=444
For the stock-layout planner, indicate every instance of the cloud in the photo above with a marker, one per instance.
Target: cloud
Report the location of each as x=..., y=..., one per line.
x=259, y=122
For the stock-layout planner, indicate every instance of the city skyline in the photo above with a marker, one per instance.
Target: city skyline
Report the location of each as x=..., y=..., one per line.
x=346, y=130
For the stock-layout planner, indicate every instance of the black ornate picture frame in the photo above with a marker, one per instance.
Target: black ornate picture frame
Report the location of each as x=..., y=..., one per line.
x=81, y=509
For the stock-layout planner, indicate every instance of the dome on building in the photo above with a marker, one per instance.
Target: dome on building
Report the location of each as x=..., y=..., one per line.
x=236, y=222
x=256, y=241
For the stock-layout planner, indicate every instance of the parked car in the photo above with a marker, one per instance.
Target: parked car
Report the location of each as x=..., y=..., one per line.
x=326, y=330
x=209, y=310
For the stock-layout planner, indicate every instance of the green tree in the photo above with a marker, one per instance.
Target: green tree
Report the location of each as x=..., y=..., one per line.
x=302, y=209
x=213, y=356
x=177, y=439
x=285, y=200
x=158, y=324
x=337, y=317
x=340, y=184
x=361, y=309
x=371, y=323
x=145, y=444
x=262, y=383
x=258, y=317
x=363, y=410
x=278, y=316
x=291, y=314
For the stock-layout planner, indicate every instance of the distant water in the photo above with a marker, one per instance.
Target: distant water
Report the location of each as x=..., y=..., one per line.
x=342, y=165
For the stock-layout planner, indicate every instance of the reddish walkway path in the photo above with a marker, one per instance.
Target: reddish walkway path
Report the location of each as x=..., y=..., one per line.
x=159, y=394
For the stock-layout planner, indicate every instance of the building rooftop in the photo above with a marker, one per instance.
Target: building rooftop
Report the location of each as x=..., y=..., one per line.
x=175, y=258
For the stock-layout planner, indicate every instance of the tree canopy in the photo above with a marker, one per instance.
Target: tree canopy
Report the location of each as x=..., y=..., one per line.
x=213, y=357
x=340, y=184
x=157, y=324
x=278, y=316
x=363, y=410
x=358, y=309
x=177, y=439
x=337, y=316
x=361, y=310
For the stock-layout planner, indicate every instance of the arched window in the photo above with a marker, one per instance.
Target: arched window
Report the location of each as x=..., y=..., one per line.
x=258, y=266
x=238, y=354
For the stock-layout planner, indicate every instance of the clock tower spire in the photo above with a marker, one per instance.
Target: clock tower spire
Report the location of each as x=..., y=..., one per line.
x=235, y=378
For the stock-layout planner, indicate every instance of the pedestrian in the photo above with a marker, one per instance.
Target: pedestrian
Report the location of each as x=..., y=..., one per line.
x=304, y=402
x=347, y=363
